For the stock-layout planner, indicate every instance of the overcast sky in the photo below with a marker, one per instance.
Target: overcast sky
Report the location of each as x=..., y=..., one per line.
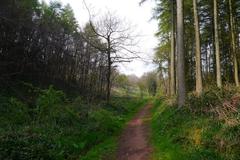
x=131, y=11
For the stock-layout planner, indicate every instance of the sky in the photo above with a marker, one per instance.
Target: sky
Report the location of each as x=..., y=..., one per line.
x=140, y=18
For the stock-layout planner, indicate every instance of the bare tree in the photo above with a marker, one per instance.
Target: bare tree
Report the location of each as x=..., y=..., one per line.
x=119, y=42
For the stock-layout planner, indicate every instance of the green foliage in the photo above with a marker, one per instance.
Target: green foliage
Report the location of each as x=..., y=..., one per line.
x=13, y=112
x=177, y=135
x=47, y=100
x=104, y=121
x=50, y=97
x=104, y=150
x=148, y=82
x=56, y=128
x=199, y=130
x=25, y=146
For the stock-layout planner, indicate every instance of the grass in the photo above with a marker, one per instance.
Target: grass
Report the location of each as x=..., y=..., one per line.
x=162, y=136
x=107, y=149
x=54, y=127
x=178, y=135
x=104, y=150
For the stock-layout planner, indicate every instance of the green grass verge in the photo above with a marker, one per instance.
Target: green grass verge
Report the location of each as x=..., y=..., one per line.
x=178, y=135
x=107, y=149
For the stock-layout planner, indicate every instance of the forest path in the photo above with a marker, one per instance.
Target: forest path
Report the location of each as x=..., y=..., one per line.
x=134, y=141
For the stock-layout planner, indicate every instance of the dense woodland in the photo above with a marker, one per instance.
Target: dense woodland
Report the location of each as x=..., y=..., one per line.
x=209, y=54
x=43, y=44
x=62, y=96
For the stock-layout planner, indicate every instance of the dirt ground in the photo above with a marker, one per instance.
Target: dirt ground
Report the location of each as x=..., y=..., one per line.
x=134, y=141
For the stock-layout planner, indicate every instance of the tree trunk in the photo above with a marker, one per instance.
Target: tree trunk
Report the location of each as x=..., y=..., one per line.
x=233, y=43
x=109, y=77
x=216, y=43
x=180, y=53
x=197, y=50
x=172, y=56
x=169, y=86
x=109, y=69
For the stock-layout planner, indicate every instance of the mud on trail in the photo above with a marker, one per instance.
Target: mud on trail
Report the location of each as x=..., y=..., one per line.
x=134, y=141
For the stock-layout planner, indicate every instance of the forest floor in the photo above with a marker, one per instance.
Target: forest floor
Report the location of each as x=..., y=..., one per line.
x=134, y=141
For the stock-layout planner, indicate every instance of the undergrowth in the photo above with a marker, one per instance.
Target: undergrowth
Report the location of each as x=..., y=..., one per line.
x=55, y=127
x=206, y=128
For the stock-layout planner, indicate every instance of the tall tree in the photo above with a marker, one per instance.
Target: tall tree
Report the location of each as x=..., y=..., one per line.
x=172, y=56
x=216, y=44
x=180, y=54
x=233, y=42
x=197, y=50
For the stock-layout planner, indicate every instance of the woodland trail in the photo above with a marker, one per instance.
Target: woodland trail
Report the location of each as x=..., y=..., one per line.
x=134, y=141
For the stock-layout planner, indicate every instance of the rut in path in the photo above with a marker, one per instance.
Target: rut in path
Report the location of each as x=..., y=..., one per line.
x=134, y=141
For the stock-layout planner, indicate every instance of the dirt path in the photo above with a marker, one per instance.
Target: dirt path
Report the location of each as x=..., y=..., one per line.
x=133, y=143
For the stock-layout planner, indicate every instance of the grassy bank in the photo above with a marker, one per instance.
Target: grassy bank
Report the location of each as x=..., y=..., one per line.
x=52, y=126
x=199, y=130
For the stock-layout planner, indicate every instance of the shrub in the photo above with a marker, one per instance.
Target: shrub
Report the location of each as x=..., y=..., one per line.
x=47, y=99
x=13, y=112
x=81, y=108
x=209, y=99
x=103, y=121
x=24, y=146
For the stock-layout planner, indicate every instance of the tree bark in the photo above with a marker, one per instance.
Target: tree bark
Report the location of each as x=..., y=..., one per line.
x=172, y=56
x=233, y=43
x=109, y=70
x=180, y=53
x=216, y=43
x=197, y=50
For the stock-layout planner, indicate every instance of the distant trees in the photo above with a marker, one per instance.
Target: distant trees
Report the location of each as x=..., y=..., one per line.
x=148, y=83
x=127, y=85
x=152, y=84
x=142, y=87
